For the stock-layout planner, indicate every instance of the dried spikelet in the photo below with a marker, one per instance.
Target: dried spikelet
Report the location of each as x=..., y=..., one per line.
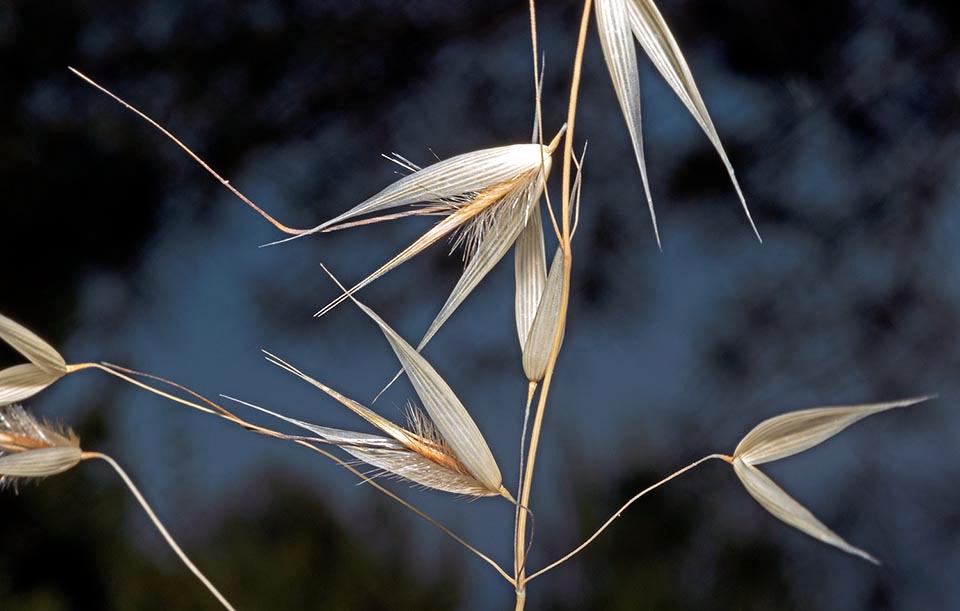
x=459, y=189
x=486, y=199
x=442, y=448
x=789, y=434
x=31, y=448
x=406, y=454
x=46, y=366
x=446, y=411
x=618, y=23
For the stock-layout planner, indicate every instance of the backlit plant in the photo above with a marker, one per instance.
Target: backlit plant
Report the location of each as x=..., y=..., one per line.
x=486, y=203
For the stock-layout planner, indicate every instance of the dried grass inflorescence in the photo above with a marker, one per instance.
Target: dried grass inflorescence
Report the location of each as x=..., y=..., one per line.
x=486, y=199
x=789, y=434
x=486, y=202
x=442, y=448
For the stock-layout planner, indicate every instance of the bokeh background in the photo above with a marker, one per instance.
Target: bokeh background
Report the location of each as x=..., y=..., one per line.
x=841, y=119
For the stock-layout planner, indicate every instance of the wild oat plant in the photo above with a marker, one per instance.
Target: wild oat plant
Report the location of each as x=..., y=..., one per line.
x=486, y=203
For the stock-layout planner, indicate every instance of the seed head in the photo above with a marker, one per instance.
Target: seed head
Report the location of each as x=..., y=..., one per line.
x=786, y=435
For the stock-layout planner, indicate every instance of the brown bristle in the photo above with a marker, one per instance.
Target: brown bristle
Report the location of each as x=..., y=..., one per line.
x=20, y=431
x=426, y=441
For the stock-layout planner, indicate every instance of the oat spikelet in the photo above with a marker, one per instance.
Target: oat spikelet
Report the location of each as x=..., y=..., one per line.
x=788, y=434
x=619, y=24
x=484, y=198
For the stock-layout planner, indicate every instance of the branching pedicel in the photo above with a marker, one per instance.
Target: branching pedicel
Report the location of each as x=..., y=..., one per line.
x=488, y=201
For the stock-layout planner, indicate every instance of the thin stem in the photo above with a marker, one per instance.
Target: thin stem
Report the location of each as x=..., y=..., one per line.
x=194, y=156
x=531, y=389
x=572, y=117
x=620, y=511
x=226, y=414
x=520, y=547
x=538, y=103
x=537, y=75
x=111, y=371
x=409, y=506
x=220, y=410
x=156, y=522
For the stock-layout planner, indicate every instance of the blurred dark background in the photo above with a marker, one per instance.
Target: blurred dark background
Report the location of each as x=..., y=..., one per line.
x=841, y=119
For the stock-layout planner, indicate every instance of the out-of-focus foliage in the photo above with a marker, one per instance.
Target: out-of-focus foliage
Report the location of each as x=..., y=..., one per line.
x=648, y=565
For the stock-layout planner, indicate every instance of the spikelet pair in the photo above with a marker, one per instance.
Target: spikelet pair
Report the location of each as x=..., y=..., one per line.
x=29, y=447
x=46, y=366
x=443, y=449
x=619, y=22
x=789, y=434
